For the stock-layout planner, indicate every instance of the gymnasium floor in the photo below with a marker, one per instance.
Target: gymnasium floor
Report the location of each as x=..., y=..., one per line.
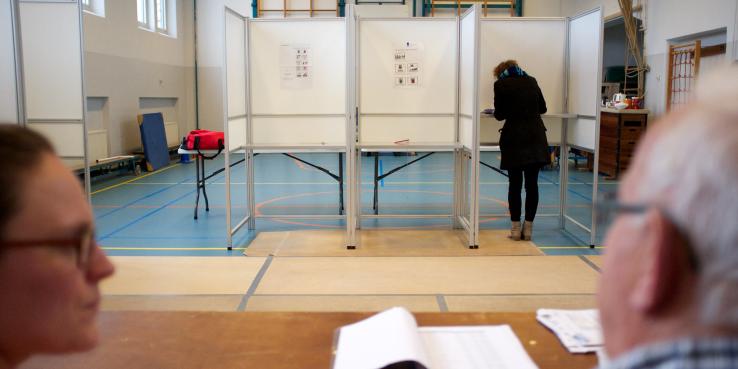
x=166, y=260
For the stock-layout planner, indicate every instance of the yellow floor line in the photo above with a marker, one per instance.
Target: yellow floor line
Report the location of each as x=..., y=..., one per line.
x=171, y=248
x=133, y=180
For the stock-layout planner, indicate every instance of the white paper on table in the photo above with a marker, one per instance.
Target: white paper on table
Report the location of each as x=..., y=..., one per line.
x=578, y=330
x=393, y=336
x=382, y=339
x=474, y=347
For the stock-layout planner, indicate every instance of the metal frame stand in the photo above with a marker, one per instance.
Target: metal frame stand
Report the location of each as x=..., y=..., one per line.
x=377, y=177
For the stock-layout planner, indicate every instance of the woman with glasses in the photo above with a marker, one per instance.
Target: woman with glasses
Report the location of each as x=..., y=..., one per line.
x=50, y=265
x=519, y=102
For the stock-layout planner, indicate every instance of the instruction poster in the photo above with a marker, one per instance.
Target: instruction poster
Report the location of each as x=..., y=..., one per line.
x=407, y=65
x=296, y=66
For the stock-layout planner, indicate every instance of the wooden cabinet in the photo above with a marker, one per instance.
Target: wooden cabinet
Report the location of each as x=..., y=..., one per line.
x=619, y=134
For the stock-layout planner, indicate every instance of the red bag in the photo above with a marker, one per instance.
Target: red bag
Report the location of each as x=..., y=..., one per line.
x=203, y=139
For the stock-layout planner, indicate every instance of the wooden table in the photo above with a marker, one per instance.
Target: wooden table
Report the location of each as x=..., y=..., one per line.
x=267, y=340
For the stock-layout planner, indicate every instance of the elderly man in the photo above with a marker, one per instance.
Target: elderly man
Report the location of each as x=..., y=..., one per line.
x=668, y=295
x=50, y=265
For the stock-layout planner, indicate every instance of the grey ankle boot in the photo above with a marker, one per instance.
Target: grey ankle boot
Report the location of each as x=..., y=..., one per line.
x=527, y=230
x=515, y=231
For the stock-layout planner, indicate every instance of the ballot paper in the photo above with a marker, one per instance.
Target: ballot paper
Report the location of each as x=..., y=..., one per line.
x=393, y=337
x=578, y=330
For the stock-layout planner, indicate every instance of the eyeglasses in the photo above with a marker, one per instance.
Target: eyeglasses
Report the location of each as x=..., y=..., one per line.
x=608, y=208
x=81, y=246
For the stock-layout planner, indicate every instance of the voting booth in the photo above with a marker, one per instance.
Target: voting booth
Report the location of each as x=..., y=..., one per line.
x=356, y=85
x=42, y=71
x=286, y=87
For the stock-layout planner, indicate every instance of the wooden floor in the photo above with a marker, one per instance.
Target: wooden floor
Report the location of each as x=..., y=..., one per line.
x=296, y=271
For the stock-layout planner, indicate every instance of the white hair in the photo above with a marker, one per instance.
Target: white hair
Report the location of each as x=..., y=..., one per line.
x=691, y=172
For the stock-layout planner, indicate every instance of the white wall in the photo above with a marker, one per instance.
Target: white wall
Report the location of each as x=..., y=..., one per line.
x=673, y=19
x=124, y=63
x=210, y=38
x=542, y=8
x=574, y=7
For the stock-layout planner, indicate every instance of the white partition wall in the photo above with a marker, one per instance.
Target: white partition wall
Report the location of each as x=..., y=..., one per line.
x=8, y=68
x=236, y=107
x=584, y=77
x=298, y=82
x=353, y=156
x=467, y=167
x=418, y=105
x=539, y=46
x=51, y=34
x=286, y=87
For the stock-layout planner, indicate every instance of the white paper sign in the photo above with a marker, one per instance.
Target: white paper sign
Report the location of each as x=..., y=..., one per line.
x=296, y=66
x=407, y=64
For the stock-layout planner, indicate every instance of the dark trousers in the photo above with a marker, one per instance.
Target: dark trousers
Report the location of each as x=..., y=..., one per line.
x=530, y=172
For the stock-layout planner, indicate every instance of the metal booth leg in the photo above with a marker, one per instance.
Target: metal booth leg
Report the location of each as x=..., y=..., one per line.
x=340, y=184
x=204, y=193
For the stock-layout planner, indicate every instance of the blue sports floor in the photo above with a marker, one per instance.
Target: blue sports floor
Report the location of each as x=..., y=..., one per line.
x=152, y=214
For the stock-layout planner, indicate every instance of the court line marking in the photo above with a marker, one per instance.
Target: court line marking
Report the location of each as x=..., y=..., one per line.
x=442, y=305
x=590, y=263
x=255, y=283
x=133, y=179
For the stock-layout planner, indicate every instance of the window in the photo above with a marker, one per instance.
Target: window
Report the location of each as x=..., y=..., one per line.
x=161, y=15
x=142, y=13
x=154, y=15
x=96, y=7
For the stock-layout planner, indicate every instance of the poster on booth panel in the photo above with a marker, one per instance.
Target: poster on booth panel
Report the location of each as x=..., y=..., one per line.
x=296, y=66
x=407, y=64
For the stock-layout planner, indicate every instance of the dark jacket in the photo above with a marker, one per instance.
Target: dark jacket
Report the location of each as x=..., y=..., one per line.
x=519, y=102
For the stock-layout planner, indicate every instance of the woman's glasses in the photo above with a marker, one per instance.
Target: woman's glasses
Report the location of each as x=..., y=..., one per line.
x=81, y=246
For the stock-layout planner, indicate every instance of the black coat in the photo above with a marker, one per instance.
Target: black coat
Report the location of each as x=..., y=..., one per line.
x=519, y=102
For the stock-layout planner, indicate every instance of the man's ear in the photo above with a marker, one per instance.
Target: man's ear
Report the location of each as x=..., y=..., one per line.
x=662, y=264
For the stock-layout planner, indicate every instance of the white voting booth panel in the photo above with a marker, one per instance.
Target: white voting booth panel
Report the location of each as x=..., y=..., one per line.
x=377, y=129
x=236, y=48
x=52, y=64
x=300, y=131
x=467, y=171
x=432, y=45
x=467, y=77
x=585, y=72
x=539, y=46
x=585, y=38
x=51, y=35
x=235, y=85
x=8, y=88
x=307, y=109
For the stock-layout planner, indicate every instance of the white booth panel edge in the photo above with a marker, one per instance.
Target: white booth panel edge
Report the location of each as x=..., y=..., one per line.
x=299, y=131
x=8, y=88
x=437, y=50
x=236, y=133
x=52, y=60
x=236, y=63
x=467, y=93
x=326, y=93
x=584, y=66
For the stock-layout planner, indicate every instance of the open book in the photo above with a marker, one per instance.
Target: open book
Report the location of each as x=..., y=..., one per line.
x=392, y=339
